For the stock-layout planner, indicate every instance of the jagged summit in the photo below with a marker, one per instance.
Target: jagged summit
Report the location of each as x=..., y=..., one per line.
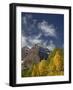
x=35, y=54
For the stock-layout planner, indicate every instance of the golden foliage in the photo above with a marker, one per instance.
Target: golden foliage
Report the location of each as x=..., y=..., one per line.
x=58, y=61
x=35, y=71
x=55, y=73
x=53, y=66
x=40, y=69
x=43, y=68
x=56, y=64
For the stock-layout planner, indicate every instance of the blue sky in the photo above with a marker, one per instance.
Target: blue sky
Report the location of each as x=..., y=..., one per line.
x=44, y=29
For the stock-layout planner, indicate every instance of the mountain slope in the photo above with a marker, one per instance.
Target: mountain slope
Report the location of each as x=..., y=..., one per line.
x=33, y=55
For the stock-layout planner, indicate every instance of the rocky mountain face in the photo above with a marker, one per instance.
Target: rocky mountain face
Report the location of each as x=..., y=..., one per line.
x=25, y=51
x=43, y=53
x=33, y=55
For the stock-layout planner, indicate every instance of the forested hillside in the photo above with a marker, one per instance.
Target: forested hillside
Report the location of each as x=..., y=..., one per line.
x=54, y=65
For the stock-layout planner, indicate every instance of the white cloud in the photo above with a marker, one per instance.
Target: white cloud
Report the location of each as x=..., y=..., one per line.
x=24, y=20
x=35, y=39
x=45, y=44
x=38, y=36
x=50, y=46
x=31, y=41
x=29, y=16
x=23, y=40
x=47, y=29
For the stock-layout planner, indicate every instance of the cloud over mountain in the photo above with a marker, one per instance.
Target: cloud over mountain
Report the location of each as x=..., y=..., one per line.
x=38, y=30
x=47, y=29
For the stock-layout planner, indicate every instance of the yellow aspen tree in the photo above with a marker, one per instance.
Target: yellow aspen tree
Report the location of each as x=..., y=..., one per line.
x=58, y=61
x=43, y=68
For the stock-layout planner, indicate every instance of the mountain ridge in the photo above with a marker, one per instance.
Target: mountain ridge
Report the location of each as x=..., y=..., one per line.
x=33, y=55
